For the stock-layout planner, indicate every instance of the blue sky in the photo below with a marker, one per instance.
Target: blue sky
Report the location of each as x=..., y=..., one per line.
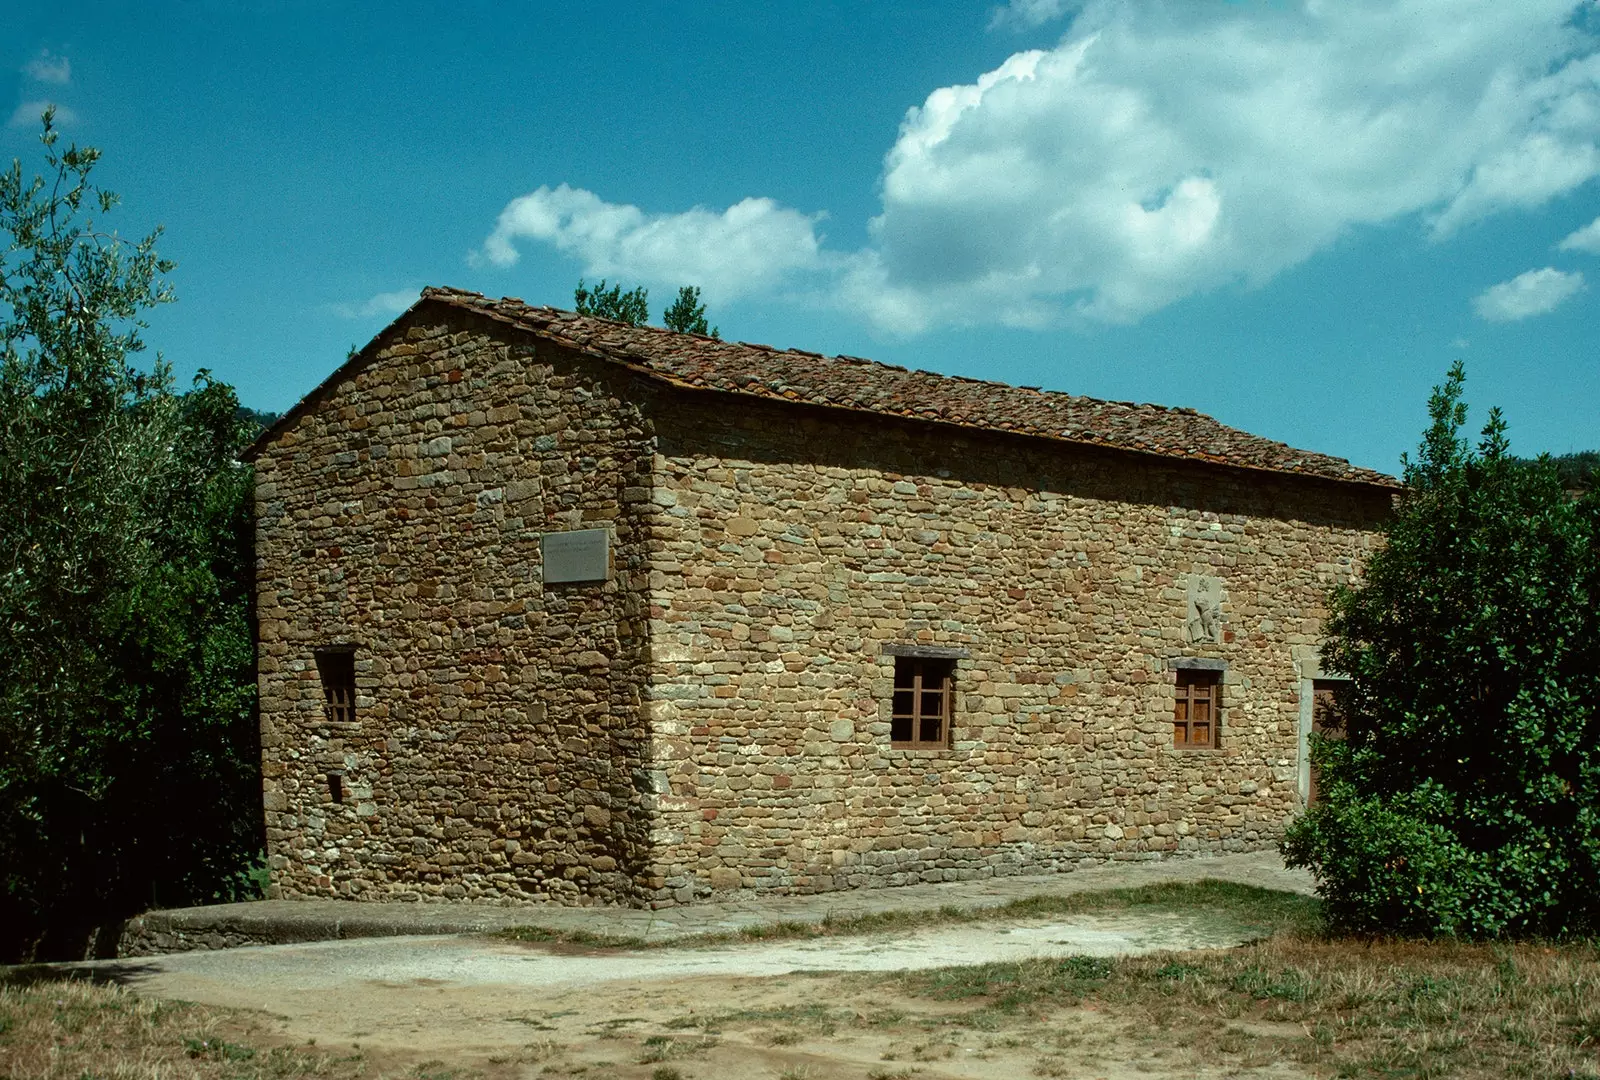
x=1291, y=215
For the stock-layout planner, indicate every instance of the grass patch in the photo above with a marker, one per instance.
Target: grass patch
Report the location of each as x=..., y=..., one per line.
x=67, y=1030
x=1008, y=987
x=1263, y=910
x=666, y=1047
x=815, y=1017
x=1341, y=1007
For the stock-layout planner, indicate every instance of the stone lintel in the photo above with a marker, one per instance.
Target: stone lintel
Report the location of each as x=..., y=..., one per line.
x=929, y=652
x=1196, y=663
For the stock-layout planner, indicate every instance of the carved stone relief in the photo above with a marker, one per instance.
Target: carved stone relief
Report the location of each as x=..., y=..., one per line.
x=1203, y=624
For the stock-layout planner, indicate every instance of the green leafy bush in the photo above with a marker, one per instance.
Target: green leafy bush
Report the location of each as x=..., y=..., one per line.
x=1464, y=797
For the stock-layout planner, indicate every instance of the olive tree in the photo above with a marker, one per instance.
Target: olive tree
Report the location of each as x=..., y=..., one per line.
x=128, y=767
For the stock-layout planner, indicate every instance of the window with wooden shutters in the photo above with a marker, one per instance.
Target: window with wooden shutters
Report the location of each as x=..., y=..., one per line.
x=1198, y=709
x=924, y=690
x=338, y=671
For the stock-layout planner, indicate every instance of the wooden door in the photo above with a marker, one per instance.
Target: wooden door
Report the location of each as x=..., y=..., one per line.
x=1324, y=721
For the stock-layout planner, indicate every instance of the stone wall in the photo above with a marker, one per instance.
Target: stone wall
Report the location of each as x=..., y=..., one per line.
x=498, y=750
x=715, y=716
x=791, y=546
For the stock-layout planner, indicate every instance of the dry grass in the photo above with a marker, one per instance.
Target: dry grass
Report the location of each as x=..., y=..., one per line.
x=77, y=1030
x=1344, y=1008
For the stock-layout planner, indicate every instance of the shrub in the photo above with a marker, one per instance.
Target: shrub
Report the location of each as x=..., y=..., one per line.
x=1464, y=798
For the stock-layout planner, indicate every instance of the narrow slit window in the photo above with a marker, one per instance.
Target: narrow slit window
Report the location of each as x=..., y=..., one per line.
x=1197, y=712
x=338, y=672
x=924, y=693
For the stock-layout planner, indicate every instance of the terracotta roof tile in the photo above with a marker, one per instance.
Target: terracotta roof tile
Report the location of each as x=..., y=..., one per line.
x=858, y=384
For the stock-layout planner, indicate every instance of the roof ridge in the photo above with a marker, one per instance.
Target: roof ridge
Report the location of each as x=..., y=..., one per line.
x=861, y=384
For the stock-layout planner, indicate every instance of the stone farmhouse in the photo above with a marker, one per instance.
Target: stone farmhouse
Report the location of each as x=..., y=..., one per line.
x=553, y=608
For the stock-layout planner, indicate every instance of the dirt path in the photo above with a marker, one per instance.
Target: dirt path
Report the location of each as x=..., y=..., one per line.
x=279, y=922
x=786, y=1009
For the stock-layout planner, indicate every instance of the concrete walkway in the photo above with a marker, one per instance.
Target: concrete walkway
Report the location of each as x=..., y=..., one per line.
x=268, y=922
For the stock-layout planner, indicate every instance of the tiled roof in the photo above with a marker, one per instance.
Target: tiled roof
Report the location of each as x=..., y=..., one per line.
x=860, y=385
x=849, y=382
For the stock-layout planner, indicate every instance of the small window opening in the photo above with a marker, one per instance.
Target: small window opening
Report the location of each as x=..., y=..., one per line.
x=924, y=692
x=1198, y=711
x=336, y=787
x=338, y=672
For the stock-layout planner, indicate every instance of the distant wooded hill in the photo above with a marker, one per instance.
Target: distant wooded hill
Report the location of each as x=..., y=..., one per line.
x=257, y=419
x=1579, y=471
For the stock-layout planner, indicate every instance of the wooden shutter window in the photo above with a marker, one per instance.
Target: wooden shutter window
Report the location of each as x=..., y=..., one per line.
x=924, y=690
x=1197, y=711
x=338, y=672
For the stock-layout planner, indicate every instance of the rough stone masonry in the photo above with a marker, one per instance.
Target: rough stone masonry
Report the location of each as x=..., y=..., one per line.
x=714, y=713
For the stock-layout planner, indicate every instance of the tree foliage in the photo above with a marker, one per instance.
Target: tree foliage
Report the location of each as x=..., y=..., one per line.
x=1464, y=797
x=632, y=308
x=128, y=764
x=687, y=314
x=256, y=421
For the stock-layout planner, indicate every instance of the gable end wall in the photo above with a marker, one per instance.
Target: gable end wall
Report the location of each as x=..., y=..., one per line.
x=498, y=751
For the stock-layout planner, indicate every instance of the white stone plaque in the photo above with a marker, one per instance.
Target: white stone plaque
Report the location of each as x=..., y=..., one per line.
x=581, y=555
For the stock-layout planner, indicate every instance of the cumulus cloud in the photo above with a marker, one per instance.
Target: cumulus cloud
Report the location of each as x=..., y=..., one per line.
x=1536, y=292
x=1027, y=14
x=28, y=113
x=1585, y=239
x=1158, y=150
x=48, y=68
x=751, y=246
x=387, y=304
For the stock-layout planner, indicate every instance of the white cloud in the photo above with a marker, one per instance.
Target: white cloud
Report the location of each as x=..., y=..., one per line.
x=1159, y=150
x=1536, y=292
x=388, y=304
x=28, y=113
x=1030, y=13
x=1585, y=239
x=751, y=246
x=48, y=68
